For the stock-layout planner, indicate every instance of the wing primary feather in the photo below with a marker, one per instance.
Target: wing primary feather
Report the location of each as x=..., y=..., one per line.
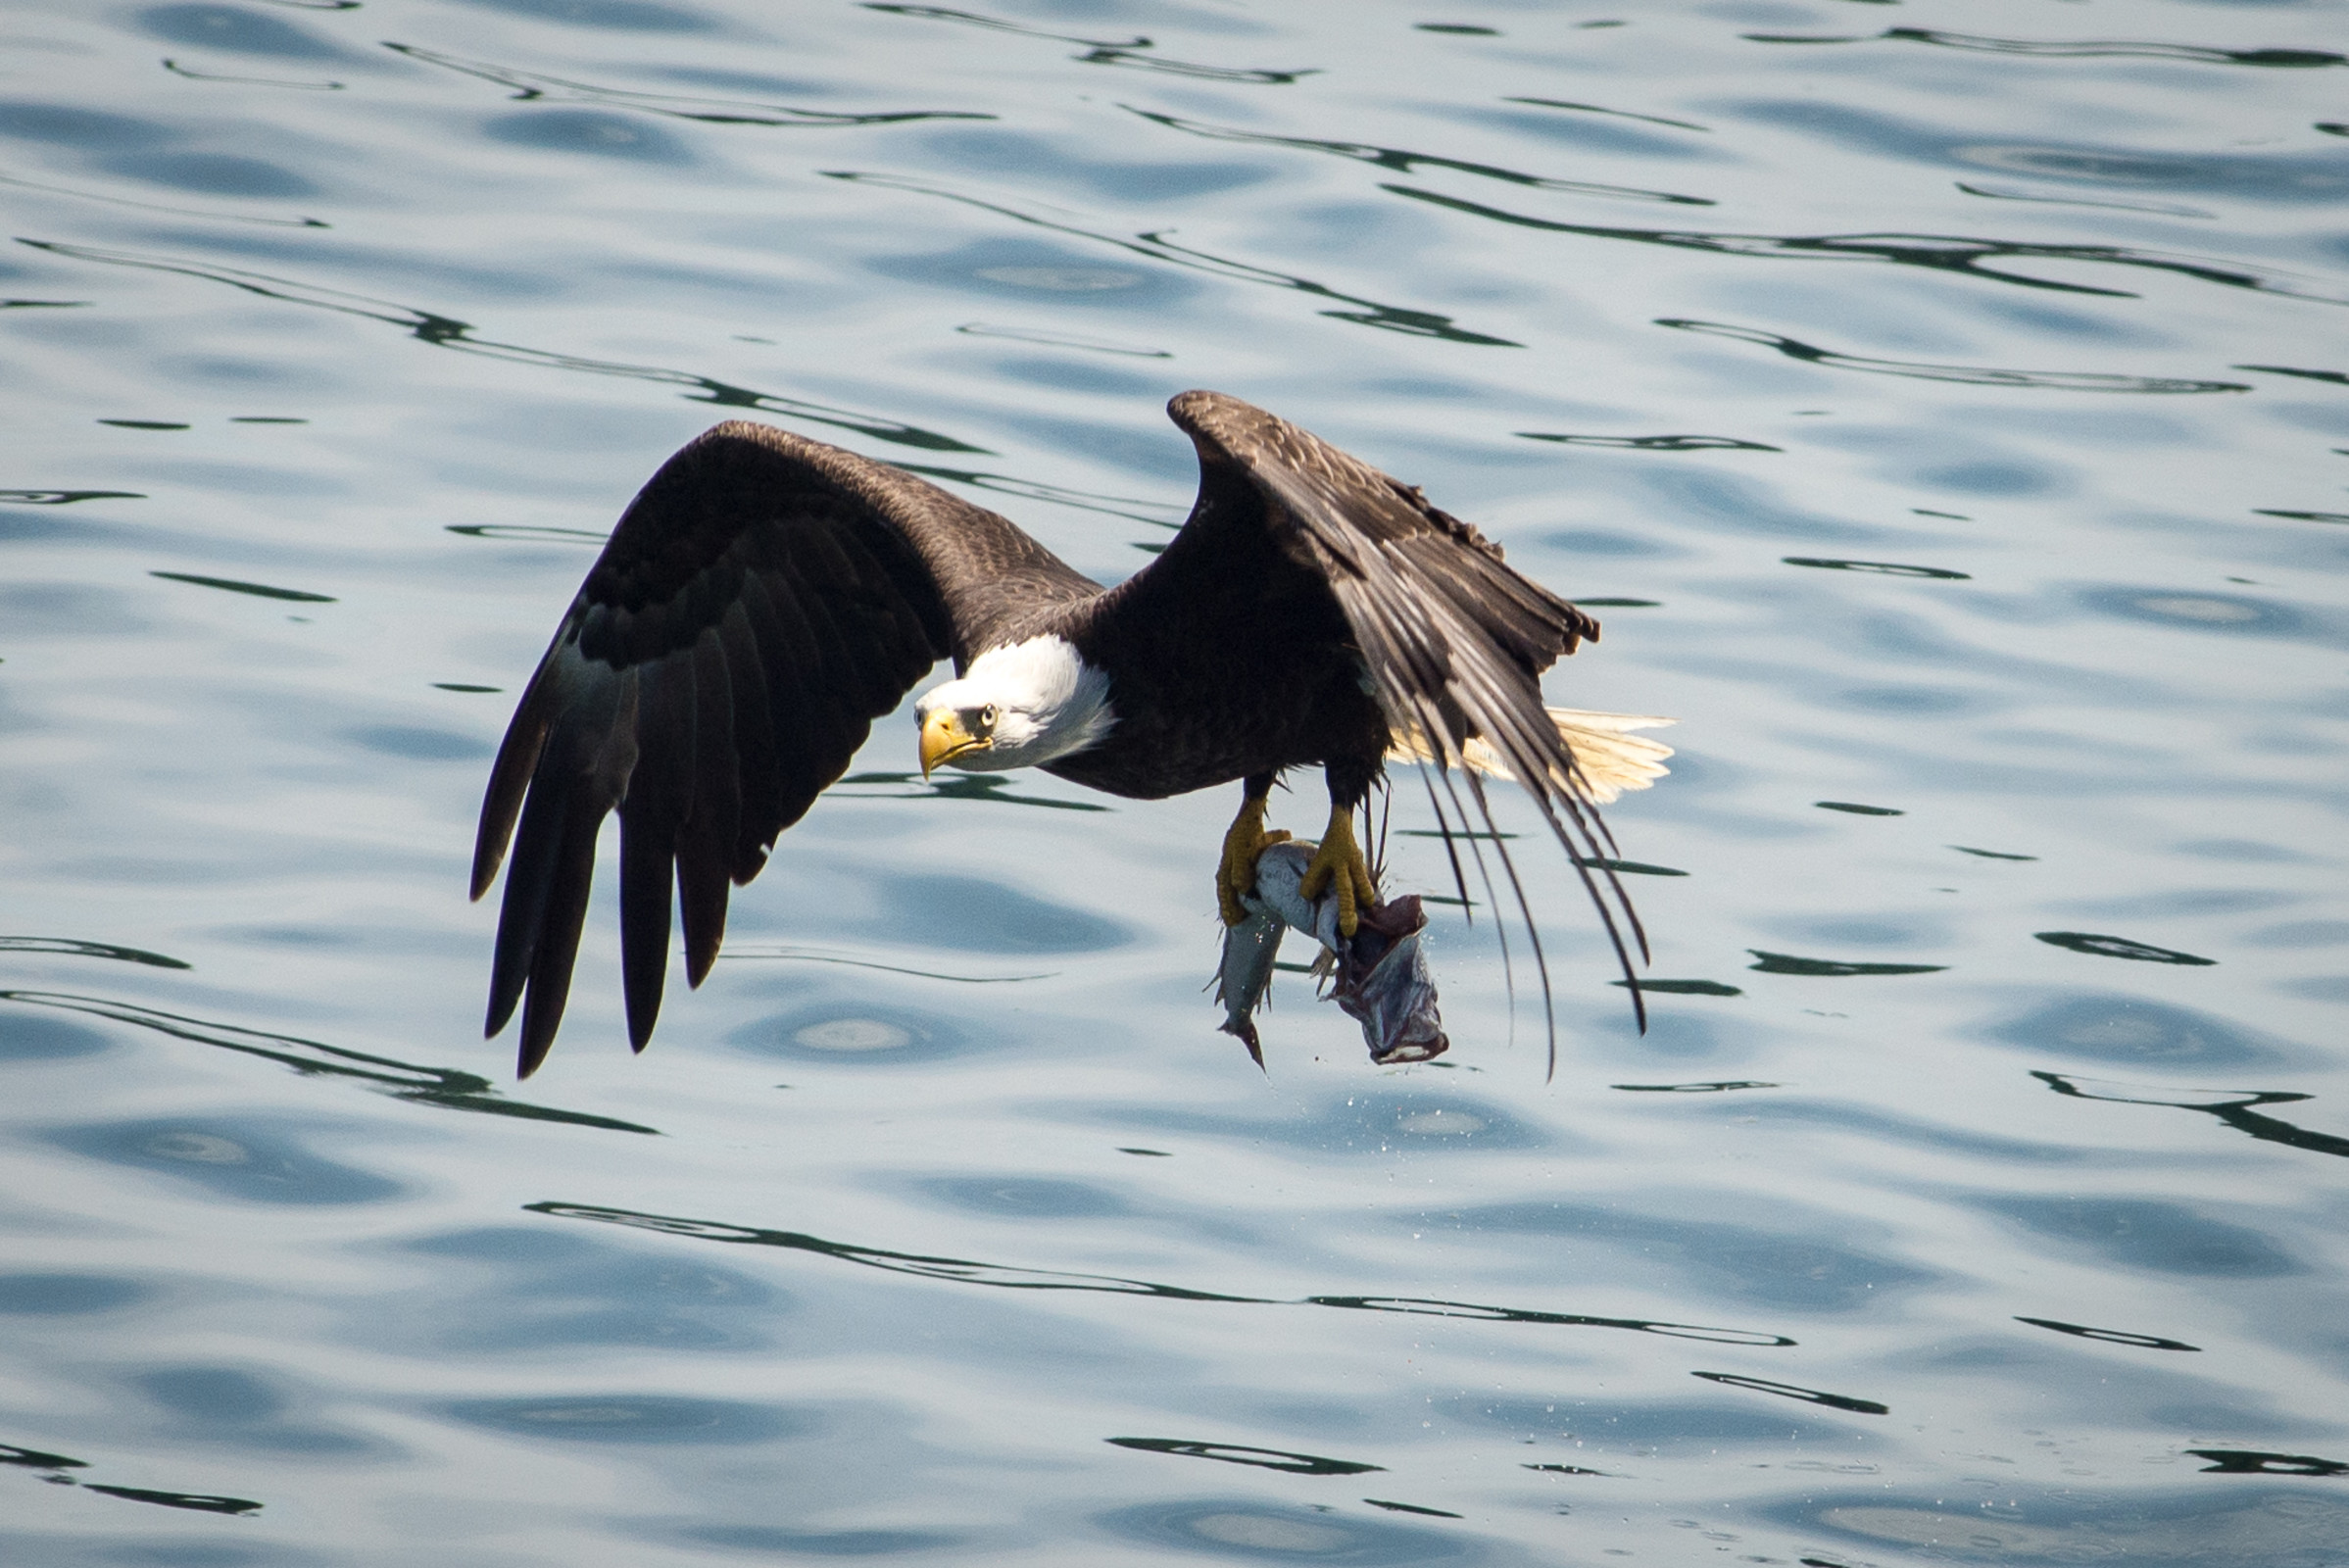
x=706, y=836
x=522, y=912
x=566, y=909
x=564, y=780
x=508, y=777
x=648, y=864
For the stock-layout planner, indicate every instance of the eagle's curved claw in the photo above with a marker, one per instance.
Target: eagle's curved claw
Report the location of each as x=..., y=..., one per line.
x=1339, y=863
x=1236, y=877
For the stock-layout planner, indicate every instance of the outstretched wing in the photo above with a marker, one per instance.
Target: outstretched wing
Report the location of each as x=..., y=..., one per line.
x=1453, y=640
x=762, y=601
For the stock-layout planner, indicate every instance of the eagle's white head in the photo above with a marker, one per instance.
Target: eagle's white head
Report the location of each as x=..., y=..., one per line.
x=1016, y=706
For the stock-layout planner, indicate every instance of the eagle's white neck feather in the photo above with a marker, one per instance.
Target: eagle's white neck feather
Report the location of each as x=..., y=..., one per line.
x=1049, y=702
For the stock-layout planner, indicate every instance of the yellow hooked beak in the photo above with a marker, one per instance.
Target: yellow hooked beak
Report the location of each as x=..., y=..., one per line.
x=943, y=739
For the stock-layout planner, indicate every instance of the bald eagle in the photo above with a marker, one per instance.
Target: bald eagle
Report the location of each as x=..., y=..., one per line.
x=766, y=597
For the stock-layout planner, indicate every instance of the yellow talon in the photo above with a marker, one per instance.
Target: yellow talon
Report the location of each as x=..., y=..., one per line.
x=1340, y=860
x=1236, y=877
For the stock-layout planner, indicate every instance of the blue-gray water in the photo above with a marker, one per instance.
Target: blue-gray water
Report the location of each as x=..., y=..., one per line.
x=1945, y=405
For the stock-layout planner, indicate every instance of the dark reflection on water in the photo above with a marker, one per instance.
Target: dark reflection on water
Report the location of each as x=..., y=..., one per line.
x=63, y=498
x=1973, y=375
x=2103, y=49
x=1682, y=988
x=968, y=1272
x=1653, y=443
x=2234, y=1108
x=2145, y=1342
x=77, y=947
x=1788, y=964
x=1404, y=162
x=259, y=589
x=1413, y=1508
x=178, y=70
x=37, y=1459
x=2251, y=1462
x=1301, y=1464
x=1834, y=1401
x=1887, y=569
x=446, y=1087
x=200, y=1502
x=2106, y=947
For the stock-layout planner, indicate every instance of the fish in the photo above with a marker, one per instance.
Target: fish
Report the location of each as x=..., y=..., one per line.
x=1378, y=977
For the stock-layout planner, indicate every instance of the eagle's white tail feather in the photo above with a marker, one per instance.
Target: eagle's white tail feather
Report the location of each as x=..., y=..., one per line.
x=1609, y=757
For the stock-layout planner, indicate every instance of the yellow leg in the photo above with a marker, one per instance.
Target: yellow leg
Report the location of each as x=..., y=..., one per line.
x=1236, y=877
x=1340, y=860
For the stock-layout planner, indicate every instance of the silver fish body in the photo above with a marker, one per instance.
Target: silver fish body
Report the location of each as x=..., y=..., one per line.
x=1382, y=978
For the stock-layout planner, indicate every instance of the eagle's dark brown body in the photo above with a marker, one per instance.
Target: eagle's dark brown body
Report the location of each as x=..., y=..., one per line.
x=766, y=597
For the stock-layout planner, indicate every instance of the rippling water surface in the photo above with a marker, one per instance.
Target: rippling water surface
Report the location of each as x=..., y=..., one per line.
x=1945, y=403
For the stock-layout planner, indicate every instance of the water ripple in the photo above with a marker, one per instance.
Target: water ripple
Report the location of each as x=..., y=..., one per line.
x=2236, y=1107
x=530, y=86
x=63, y=498
x=446, y=1087
x=1969, y=375
x=448, y=332
x=966, y=1271
x=157, y=206
x=75, y=947
x=1404, y=162
x=1131, y=52
x=2098, y=49
x=1156, y=245
x=1298, y=1464
x=1942, y=253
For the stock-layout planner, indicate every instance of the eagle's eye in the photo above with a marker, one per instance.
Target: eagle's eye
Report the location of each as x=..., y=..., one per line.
x=987, y=717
